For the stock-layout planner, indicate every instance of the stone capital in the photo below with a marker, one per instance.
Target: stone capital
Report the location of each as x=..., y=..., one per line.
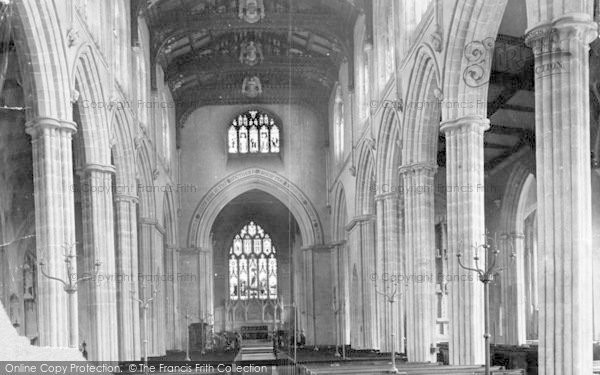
x=316, y=248
x=338, y=244
x=474, y=123
x=126, y=198
x=38, y=124
x=99, y=168
x=387, y=196
x=428, y=169
x=148, y=221
x=555, y=37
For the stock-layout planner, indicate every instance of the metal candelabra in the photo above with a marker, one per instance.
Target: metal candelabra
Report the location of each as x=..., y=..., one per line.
x=337, y=307
x=70, y=286
x=145, y=305
x=486, y=274
x=391, y=299
x=187, y=317
x=295, y=332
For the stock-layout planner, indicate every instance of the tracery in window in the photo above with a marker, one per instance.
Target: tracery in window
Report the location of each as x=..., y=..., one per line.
x=253, y=132
x=166, y=136
x=338, y=123
x=252, y=265
x=366, y=82
x=389, y=40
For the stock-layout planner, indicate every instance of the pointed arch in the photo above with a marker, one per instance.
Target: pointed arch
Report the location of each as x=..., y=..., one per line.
x=147, y=206
x=122, y=142
x=365, y=179
x=389, y=149
x=472, y=31
x=255, y=178
x=512, y=281
x=87, y=81
x=170, y=222
x=340, y=213
x=422, y=110
x=43, y=59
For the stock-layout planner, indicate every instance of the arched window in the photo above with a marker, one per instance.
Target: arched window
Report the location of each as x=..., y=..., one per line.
x=252, y=265
x=338, y=124
x=527, y=223
x=165, y=134
x=366, y=81
x=253, y=132
x=389, y=40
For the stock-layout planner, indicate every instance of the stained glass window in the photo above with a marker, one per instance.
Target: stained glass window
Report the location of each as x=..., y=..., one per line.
x=233, y=138
x=253, y=139
x=252, y=265
x=253, y=132
x=243, y=139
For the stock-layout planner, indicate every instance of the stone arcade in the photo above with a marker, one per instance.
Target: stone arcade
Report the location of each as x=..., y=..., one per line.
x=214, y=179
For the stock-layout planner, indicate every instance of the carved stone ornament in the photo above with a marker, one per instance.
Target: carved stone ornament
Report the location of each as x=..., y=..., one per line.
x=478, y=55
x=252, y=87
x=251, y=53
x=72, y=37
x=251, y=11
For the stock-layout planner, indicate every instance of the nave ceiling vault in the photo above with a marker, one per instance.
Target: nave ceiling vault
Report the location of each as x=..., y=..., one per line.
x=213, y=52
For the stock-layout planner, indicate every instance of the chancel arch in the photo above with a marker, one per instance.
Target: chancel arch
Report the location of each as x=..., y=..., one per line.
x=249, y=179
x=207, y=244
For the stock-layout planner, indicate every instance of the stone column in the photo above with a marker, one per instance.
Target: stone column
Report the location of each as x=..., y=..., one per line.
x=355, y=285
x=389, y=232
x=98, y=229
x=308, y=313
x=513, y=291
x=563, y=189
x=55, y=222
x=210, y=298
x=173, y=308
x=383, y=285
x=394, y=247
x=370, y=297
x=420, y=249
x=127, y=271
x=160, y=281
x=205, y=274
x=397, y=210
x=145, y=284
x=298, y=287
x=169, y=297
x=339, y=267
x=466, y=229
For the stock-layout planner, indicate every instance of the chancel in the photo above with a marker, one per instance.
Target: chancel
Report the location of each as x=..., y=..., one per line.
x=300, y=186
